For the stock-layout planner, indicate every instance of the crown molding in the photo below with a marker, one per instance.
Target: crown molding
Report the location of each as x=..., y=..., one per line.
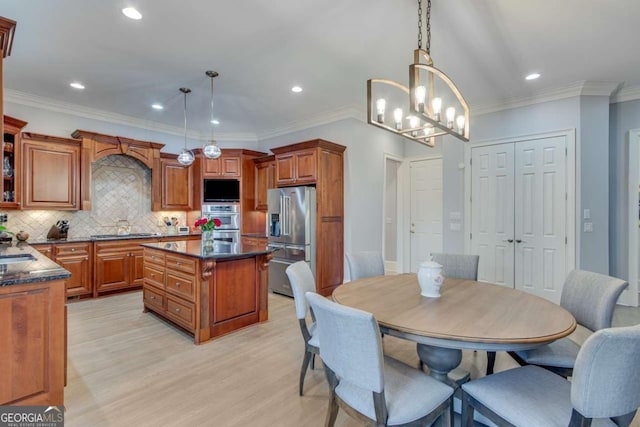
x=41, y=102
x=579, y=88
x=346, y=112
x=626, y=93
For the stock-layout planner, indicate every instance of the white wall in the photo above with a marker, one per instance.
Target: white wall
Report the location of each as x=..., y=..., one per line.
x=363, y=172
x=391, y=210
x=623, y=117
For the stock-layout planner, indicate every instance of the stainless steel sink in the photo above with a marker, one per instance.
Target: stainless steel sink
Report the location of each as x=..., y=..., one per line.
x=12, y=259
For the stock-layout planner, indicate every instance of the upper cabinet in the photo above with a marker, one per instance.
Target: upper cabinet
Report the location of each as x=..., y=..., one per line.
x=96, y=146
x=298, y=167
x=225, y=166
x=265, y=178
x=11, y=163
x=177, y=184
x=50, y=172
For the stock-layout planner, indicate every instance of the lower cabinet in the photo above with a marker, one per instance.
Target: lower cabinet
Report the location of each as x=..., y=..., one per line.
x=77, y=259
x=118, y=264
x=32, y=344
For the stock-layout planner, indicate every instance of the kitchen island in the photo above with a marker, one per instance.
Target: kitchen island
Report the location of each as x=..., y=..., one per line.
x=208, y=292
x=32, y=327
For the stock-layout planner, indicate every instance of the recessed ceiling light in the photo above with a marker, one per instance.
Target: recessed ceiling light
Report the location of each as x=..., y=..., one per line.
x=215, y=121
x=296, y=89
x=132, y=13
x=157, y=106
x=532, y=76
x=76, y=85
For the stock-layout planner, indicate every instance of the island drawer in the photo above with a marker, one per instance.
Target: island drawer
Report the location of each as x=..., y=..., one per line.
x=74, y=249
x=181, y=286
x=154, y=275
x=181, y=311
x=187, y=265
x=153, y=298
x=154, y=257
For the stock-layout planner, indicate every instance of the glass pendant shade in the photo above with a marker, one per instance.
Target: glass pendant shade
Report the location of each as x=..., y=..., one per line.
x=211, y=150
x=185, y=157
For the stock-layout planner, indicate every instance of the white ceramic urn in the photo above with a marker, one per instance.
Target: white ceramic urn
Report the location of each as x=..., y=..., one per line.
x=430, y=279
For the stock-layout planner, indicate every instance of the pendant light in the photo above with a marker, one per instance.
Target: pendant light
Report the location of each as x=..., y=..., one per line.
x=211, y=149
x=185, y=157
x=428, y=89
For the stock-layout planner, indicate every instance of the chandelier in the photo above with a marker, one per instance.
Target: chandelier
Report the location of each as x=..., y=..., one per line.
x=429, y=91
x=186, y=156
x=211, y=149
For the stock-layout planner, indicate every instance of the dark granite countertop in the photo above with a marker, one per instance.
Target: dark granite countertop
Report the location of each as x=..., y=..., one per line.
x=39, y=269
x=221, y=250
x=104, y=237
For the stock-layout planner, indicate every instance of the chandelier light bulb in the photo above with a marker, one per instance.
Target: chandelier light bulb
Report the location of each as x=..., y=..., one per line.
x=381, y=103
x=428, y=131
x=460, y=124
x=397, y=117
x=451, y=115
x=413, y=123
x=436, y=104
x=421, y=93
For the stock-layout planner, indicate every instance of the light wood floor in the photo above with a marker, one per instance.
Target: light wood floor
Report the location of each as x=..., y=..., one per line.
x=130, y=368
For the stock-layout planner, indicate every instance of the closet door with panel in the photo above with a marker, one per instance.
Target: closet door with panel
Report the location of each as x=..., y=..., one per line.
x=518, y=214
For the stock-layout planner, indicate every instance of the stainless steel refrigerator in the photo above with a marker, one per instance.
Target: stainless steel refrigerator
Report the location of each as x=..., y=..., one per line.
x=291, y=228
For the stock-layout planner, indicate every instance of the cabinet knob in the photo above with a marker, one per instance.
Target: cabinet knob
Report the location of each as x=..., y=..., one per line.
x=153, y=275
x=153, y=257
x=177, y=310
x=73, y=249
x=86, y=258
x=177, y=284
x=177, y=263
x=153, y=297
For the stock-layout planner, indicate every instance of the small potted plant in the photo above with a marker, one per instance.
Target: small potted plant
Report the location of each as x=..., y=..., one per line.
x=207, y=226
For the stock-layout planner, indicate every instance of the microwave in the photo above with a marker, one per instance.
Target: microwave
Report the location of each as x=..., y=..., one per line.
x=221, y=190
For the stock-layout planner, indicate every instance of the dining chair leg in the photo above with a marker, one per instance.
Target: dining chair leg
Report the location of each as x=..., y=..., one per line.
x=303, y=369
x=467, y=412
x=491, y=361
x=313, y=361
x=332, y=409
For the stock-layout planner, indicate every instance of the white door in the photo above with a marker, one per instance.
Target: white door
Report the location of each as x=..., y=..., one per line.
x=492, y=212
x=540, y=212
x=519, y=214
x=426, y=210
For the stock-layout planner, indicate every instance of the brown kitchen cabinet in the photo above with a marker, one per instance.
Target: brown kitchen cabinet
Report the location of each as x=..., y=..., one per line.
x=50, y=172
x=298, y=167
x=225, y=166
x=320, y=163
x=265, y=178
x=77, y=259
x=44, y=248
x=254, y=241
x=177, y=184
x=10, y=166
x=118, y=264
x=32, y=344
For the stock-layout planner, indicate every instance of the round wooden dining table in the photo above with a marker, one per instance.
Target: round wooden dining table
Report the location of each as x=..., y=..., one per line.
x=467, y=315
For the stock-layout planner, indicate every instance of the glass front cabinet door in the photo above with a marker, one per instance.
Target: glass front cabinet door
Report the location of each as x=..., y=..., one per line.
x=11, y=163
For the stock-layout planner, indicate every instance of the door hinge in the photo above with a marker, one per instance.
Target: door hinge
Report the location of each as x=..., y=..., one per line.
x=566, y=196
x=470, y=162
x=470, y=236
x=566, y=241
x=566, y=151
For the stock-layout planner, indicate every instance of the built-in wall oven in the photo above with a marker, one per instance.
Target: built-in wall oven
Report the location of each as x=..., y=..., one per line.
x=229, y=216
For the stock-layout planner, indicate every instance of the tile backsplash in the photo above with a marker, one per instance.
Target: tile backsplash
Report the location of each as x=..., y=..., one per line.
x=120, y=189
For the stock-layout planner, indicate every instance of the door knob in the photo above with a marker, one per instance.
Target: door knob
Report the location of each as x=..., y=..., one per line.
x=520, y=241
x=508, y=240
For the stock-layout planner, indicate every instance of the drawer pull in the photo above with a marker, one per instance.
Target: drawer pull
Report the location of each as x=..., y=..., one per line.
x=153, y=275
x=153, y=297
x=73, y=249
x=177, y=310
x=153, y=257
x=177, y=263
x=178, y=284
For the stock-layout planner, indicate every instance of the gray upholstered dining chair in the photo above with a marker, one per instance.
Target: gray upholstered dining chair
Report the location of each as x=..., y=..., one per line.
x=460, y=266
x=364, y=264
x=591, y=299
x=605, y=387
x=302, y=281
x=371, y=387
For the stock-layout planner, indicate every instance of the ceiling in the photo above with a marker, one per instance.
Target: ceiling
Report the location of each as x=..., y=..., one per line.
x=262, y=48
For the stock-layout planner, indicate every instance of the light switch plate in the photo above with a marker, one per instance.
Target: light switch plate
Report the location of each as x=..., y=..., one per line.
x=588, y=227
x=586, y=214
